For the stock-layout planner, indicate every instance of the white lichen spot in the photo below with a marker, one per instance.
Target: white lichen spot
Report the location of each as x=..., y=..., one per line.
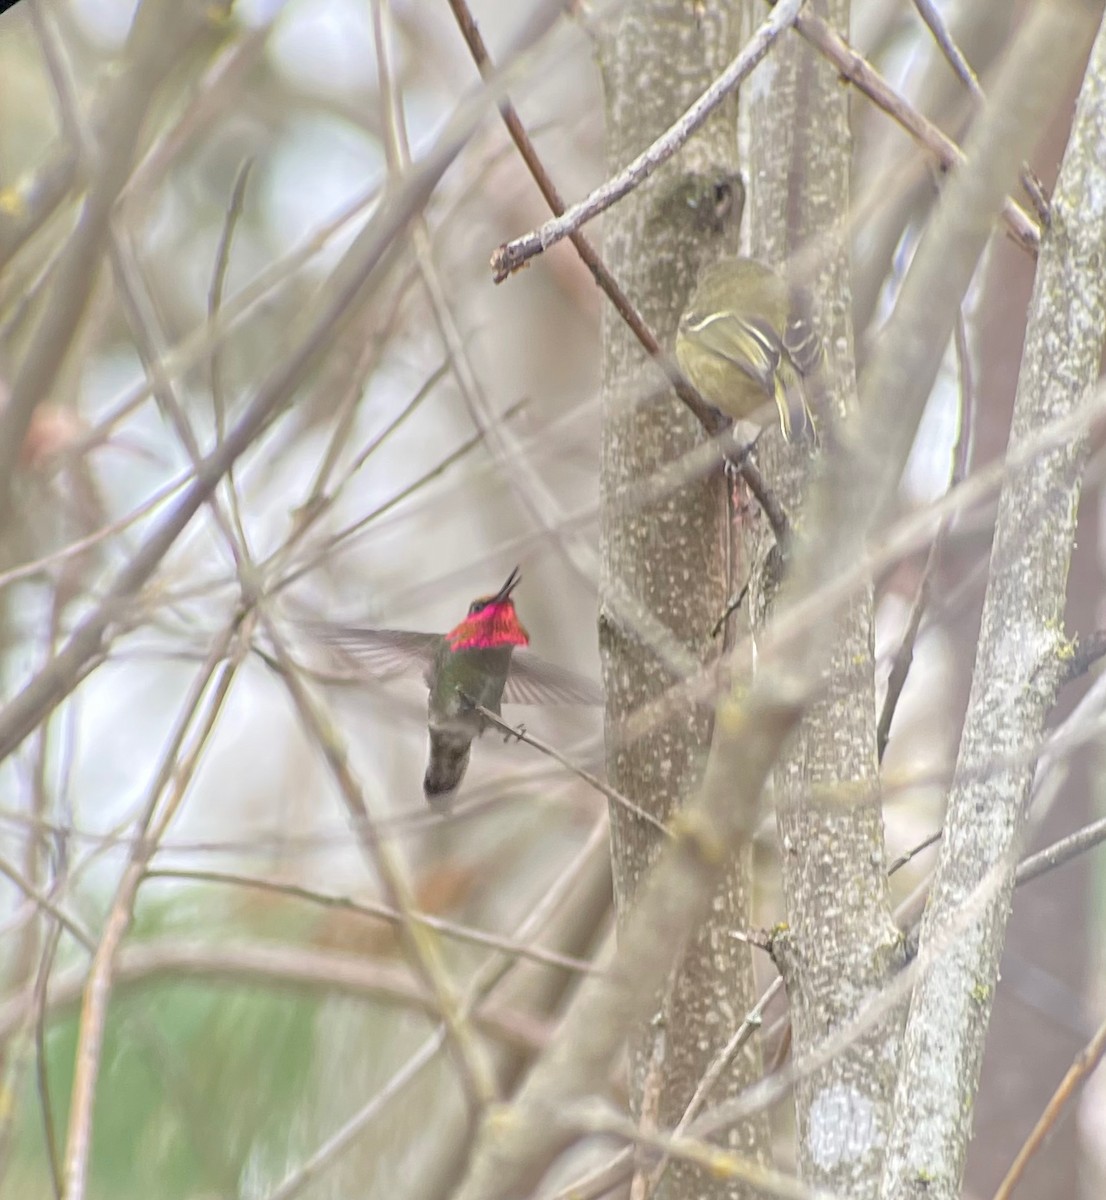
x=842, y=1126
x=1095, y=187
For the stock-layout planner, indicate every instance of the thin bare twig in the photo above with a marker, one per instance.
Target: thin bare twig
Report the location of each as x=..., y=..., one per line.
x=206, y=100
x=42, y=1074
x=518, y=732
x=214, y=303
x=1061, y=851
x=908, y=856
x=29, y=569
x=160, y=33
x=424, y=952
x=325, y=1154
x=904, y=656
x=487, y=977
x=514, y=254
x=942, y=35
x=752, y=1022
x=1089, y=648
x=601, y=1181
x=855, y=68
x=57, y=679
x=717, y=1162
x=144, y=326
x=319, y=501
x=383, y=912
x=174, y=774
x=955, y=57
x=590, y=257
x=542, y=506
x=303, y=969
x=1078, y=1073
x=48, y=905
x=325, y=552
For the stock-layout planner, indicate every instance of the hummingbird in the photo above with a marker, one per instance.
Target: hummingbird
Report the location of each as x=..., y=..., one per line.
x=482, y=661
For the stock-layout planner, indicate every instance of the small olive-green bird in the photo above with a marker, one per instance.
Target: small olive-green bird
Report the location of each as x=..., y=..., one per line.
x=747, y=337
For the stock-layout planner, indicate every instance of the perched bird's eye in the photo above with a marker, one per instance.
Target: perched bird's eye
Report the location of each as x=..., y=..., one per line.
x=477, y=606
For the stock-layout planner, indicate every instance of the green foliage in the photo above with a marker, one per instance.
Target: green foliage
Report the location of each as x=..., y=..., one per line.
x=196, y=1080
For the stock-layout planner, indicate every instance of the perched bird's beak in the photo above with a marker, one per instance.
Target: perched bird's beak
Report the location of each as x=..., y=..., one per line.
x=507, y=588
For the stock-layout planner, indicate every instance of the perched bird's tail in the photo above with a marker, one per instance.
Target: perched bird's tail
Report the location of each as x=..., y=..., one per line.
x=796, y=419
x=803, y=349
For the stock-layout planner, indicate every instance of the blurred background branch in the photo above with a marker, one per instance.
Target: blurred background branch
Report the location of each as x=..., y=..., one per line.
x=254, y=372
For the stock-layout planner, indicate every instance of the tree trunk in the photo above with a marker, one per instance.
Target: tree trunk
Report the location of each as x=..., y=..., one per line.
x=841, y=945
x=1019, y=661
x=665, y=572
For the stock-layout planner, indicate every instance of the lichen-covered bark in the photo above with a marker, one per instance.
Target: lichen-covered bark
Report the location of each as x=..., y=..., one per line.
x=841, y=945
x=1017, y=670
x=666, y=560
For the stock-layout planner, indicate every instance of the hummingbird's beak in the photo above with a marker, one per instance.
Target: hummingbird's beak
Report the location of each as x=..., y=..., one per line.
x=507, y=588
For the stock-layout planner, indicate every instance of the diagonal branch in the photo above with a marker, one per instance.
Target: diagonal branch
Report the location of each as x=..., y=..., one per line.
x=61, y=674
x=858, y=71
x=172, y=779
x=607, y=283
x=511, y=256
x=161, y=30
x=750, y=730
x=1078, y=1073
x=1018, y=667
x=424, y=951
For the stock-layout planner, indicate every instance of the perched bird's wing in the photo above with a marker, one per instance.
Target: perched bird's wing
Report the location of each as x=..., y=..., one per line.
x=776, y=367
x=800, y=338
x=382, y=651
x=532, y=680
x=748, y=343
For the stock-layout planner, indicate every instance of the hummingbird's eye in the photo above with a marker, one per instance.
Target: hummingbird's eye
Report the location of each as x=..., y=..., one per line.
x=477, y=606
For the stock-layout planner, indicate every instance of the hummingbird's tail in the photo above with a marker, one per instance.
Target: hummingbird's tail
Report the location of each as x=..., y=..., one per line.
x=449, y=759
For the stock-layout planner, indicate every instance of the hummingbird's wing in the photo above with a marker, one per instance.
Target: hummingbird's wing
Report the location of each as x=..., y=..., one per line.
x=532, y=680
x=383, y=651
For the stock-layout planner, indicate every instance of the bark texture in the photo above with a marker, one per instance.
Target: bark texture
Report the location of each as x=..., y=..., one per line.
x=1018, y=664
x=665, y=561
x=841, y=945
x=1032, y=1040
